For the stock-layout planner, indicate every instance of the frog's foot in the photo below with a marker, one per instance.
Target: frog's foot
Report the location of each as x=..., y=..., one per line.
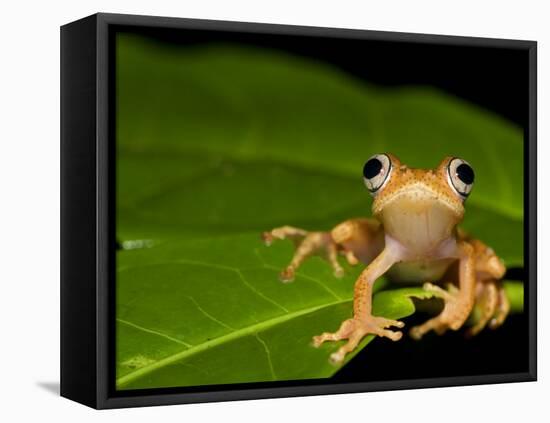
x=492, y=304
x=454, y=314
x=307, y=245
x=354, y=330
x=284, y=232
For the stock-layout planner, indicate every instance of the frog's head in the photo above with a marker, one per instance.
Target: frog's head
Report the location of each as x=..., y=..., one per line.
x=418, y=205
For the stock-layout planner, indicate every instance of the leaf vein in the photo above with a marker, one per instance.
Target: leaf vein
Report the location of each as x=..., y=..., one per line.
x=239, y=333
x=219, y=266
x=208, y=315
x=154, y=332
x=265, y=297
x=268, y=355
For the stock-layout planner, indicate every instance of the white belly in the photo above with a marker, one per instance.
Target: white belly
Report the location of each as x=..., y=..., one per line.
x=419, y=271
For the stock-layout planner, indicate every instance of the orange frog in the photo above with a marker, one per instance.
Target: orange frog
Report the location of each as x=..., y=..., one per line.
x=413, y=238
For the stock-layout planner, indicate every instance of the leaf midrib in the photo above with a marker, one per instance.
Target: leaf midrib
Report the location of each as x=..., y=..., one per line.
x=239, y=333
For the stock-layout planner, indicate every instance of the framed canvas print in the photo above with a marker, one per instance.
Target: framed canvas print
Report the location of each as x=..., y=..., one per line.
x=255, y=211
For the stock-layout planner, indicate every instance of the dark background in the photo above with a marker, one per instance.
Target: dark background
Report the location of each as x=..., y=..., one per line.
x=493, y=78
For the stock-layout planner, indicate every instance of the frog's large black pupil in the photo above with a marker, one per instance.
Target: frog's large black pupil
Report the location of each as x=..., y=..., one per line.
x=465, y=173
x=372, y=168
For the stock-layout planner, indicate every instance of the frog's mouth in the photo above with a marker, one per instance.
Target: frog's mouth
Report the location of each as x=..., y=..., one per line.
x=418, y=197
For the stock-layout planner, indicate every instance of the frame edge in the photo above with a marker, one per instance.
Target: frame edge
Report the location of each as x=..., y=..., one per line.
x=100, y=140
x=78, y=212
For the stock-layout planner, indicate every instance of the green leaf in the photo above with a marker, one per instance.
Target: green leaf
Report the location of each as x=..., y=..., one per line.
x=216, y=144
x=213, y=311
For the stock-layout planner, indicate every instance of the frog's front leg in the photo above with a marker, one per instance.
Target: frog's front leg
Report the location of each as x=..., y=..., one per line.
x=363, y=322
x=357, y=239
x=458, y=302
x=307, y=244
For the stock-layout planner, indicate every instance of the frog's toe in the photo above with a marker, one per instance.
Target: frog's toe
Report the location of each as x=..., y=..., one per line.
x=486, y=302
x=267, y=238
x=438, y=324
x=283, y=232
x=351, y=258
x=339, y=356
x=440, y=292
x=386, y=323
x=354, y=330
x=492, y=305
x=339, y=272
x=307, y=244
x=452, y=317
x=343, y=332
x=503, y=309
x=416, y=333
x=287, y=275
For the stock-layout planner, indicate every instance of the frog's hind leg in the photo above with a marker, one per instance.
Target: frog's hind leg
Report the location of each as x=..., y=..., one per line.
x=486, y=303
x=480, y=270
x=458, y=302
x=503, y=308
x=491, y=299
x=492, y=304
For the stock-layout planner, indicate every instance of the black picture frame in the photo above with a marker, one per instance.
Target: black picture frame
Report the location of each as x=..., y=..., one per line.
x=87, y=217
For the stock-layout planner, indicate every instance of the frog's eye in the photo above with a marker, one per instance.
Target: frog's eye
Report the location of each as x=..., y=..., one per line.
x=376, y=172
x=461, y=176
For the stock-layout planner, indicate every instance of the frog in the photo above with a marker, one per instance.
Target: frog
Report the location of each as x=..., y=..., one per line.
x=413, y=237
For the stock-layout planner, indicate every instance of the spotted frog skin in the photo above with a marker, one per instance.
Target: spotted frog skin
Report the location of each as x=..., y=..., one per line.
x=412, y=237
